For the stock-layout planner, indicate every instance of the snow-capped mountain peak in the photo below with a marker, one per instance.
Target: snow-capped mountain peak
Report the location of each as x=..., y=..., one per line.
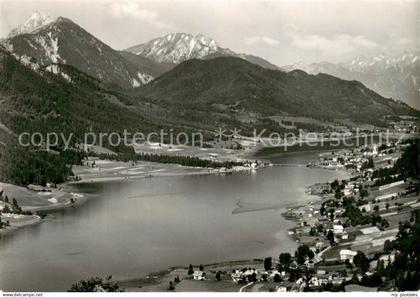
x=177, y=47
x=61, y=41
x=35, y=21
x=395, y=75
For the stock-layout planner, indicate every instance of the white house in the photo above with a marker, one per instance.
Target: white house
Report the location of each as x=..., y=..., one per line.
x=387, y=259
x=199, y=275
x=236, y=275
x=320, y=245
x=250, y=272
x=281, y=289
x=338, y=229
x=366, y=207
x=386, y=197
x=273, y=273
x=314, y=281
x=347, y=192
x=321, y=272
x=344, y=235
x=347, y=255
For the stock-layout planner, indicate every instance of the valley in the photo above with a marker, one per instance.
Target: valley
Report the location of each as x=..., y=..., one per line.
x=177, y=152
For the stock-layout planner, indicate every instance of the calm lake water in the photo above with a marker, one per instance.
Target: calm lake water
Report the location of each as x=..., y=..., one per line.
x=136, y=227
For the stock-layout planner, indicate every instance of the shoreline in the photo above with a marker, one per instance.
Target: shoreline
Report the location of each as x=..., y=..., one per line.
x=62, y=196
x=42, y=208
x=67, y=188
x=155, y=280
x=142, y=279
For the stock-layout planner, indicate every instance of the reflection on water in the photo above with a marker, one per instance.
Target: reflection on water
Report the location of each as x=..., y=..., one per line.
x=148, y=225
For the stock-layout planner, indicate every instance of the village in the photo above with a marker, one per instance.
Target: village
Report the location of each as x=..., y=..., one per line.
x=356, y=216
x=346, y=239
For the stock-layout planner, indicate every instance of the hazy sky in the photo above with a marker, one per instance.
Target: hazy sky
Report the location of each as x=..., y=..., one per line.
x=283, y=32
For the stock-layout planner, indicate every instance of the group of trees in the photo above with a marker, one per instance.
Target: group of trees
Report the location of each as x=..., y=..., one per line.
x=191, y=269
x=337, y=188
x=172, y=283
x=361, y=261
x=169, y=159
x=404, y=272
x=407, y=166
x=10, y=207
x=5, y=199
x=41, y=167
x=15, y=208
x=303, y=253
x=2, y=224
x=355, y=217
x=368, y=164
x=96, y=284
x=284, y=260
x=363, y=192
x=46, y=103
x=267, y=263
x=316, y=230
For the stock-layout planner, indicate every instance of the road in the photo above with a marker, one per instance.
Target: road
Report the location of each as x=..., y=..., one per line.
x=247, y=285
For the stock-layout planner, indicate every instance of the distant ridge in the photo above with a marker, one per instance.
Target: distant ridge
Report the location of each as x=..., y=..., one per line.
x=242, y=86
x=179, y=47
x=395, y=76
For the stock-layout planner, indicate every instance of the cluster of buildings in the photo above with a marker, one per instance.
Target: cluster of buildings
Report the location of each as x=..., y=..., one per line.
x=327, y=229
x=358, y=160
x=404, y=125
x=325, y=226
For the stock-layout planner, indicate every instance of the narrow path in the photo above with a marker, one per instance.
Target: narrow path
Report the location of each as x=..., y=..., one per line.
x=247, y=285
x=323, y=251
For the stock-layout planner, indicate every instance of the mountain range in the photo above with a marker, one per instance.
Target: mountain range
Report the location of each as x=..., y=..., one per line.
x=392, y=76
x=62, y=41
x=48, y=40
x=237, y=87
x=168, y=69
x=57, y=77
x=193, y=73
x=179, y=47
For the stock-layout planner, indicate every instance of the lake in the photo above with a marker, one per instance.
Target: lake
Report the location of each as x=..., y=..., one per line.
x=132, y=228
